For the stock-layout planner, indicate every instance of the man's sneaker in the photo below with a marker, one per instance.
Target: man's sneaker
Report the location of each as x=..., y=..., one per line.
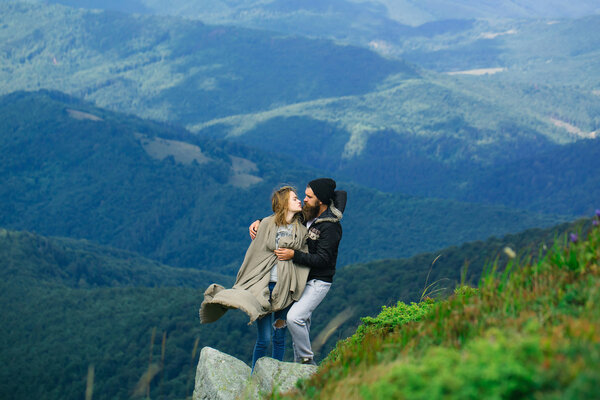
x=308, y=360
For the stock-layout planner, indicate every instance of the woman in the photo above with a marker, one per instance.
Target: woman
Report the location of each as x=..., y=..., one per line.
x=264, y=287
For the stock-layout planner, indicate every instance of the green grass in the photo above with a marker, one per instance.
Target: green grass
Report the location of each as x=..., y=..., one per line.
x=531, y=330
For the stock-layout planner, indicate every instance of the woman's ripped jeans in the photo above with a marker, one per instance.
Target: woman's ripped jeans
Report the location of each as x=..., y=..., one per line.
x=270, y=329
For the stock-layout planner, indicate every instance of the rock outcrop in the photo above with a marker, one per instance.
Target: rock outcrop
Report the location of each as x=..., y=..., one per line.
x=270, y=374
x=220, y=376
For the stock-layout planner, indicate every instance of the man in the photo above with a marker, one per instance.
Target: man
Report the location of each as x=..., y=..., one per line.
x=323, y=208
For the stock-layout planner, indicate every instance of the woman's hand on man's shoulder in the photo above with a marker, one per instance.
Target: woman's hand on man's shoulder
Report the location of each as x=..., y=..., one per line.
x=253, y=229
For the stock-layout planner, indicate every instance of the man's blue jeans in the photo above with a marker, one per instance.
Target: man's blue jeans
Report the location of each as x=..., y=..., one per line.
x=267, y=333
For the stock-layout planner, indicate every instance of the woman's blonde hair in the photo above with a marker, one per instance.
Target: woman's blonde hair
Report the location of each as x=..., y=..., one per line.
x=280, y=203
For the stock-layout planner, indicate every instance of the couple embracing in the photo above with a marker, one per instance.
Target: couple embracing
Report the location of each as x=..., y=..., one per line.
x=287, y=271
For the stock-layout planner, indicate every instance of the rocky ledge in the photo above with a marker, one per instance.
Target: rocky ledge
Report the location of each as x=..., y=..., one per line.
x=220, y=376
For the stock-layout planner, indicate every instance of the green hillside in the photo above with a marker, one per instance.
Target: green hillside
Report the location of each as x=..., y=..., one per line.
x=371, y=119
x=528, y=332
x=70, y=304
x=330, y=13
x=565, y=178
x=488, y=9
x=74, y=170
x=553, y=52
x=57, y=262
x=175, y=69
x=361, y=289
x=431, y=138
x=519, y=88
x=439, y=35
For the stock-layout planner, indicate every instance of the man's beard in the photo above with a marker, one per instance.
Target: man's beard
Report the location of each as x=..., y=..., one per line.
x=310, y=212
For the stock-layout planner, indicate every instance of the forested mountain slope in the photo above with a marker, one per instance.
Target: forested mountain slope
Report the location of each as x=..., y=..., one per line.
x=410, y=12
x=57, y=262
x=175, y=69
x=565, y=179
x=73, y=170
x=432, y=138
x=375, y=120
x=69, y=305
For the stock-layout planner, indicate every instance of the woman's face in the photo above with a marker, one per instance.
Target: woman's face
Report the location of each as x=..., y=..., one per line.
x=294, y=204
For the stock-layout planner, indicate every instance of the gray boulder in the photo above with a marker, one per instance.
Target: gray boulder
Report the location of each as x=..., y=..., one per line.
x=219, y=376
x=270, y=374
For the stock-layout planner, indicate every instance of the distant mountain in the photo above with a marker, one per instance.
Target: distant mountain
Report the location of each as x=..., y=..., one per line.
x=369, y=119
x=439, y=138
x=514, y=90
x=393, y=27
x=418, y=11
x=176, y=69
x=543, y=51
x=74, y=170
x=409, y=12
x=565, y=178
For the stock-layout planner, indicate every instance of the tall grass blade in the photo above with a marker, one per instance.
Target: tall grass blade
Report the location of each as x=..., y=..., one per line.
x=331, y=327
x=89, y=387
x=427, y=278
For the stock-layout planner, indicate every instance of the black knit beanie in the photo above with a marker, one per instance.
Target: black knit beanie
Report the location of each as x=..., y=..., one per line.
x=323, y=189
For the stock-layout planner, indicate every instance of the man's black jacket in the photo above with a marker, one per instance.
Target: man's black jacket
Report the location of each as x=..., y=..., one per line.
x=324, y=237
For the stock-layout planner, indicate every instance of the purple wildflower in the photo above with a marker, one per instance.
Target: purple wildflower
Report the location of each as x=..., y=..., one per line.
x=598, y=213
x=573, y=237
x=595, y=222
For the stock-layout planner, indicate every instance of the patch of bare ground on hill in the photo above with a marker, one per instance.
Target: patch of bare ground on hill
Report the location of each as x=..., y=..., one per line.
x=184, y=153
x=242, y=170
x=572, y=129
x=479, y=71
x=80, y=115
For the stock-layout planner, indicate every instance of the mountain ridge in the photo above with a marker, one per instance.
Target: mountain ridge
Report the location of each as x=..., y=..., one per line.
x=175, y=69
x=80, y=263
x=409, y=12
x=103, y=180
x=424, y=130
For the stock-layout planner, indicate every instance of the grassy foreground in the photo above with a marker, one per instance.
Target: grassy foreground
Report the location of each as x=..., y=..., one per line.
x=531, y=331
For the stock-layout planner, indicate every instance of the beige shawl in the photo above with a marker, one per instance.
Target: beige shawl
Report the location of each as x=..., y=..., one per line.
x=250, y=293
